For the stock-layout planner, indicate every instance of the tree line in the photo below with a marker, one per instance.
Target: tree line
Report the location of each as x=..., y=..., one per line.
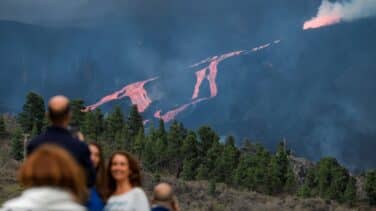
x=196, y=155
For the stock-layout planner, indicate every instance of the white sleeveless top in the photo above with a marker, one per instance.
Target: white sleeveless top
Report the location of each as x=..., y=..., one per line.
x=133, y=200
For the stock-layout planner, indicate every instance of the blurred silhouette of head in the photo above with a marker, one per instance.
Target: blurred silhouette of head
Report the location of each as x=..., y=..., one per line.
x=59, y=111
x=52, y=166
x=163, y=195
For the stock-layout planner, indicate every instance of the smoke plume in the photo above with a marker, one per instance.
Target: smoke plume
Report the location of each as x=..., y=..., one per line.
x=331, y=13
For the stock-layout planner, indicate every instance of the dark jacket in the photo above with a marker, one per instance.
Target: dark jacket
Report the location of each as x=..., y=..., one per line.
x=62, y=137
x=159, y=208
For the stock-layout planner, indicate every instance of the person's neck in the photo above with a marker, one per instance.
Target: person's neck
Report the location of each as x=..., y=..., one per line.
x=122, y=187
x=61, y=125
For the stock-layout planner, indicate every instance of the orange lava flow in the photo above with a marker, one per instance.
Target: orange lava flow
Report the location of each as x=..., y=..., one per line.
x=212, y=75
x=170, y=115
x=200, y=75
x=135, y=91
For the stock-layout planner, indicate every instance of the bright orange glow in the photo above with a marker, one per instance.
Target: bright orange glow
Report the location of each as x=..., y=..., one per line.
x=210, y=71
x=321, y=21
x=200, y=75
x=135, y=91
x=170, y=115
x=139, y=96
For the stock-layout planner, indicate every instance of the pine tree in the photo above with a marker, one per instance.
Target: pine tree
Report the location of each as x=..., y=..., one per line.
x=175, y=138
x=88, y=126
x=134, y=122
x=33, y=111
x=202, y=172
x=114, y=123
x=260, y=172
x=189, y=147
x=243, y=174
x=3, y=131
x=207, y=138
x=149, y=157
x=139, y=144
x=278, y=169
x=227, y=162
x=17, y=146
x=370, y=186
x=332, y=178
x=78, y=117
x=328, y=179
x=188, y=172
x=93, y=125
x=161, y=130
x=247, y=147
x=290, y=184
x=211, y=160
x=304, y=191
x=34, y=131
x=349, y=195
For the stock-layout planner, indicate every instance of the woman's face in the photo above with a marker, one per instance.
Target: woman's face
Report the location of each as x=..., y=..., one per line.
x=120, y=168
x=94, y=155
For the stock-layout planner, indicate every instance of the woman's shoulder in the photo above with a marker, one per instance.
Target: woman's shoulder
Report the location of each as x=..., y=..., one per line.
x=42, y=199
x=138, y=191
x=133, y=192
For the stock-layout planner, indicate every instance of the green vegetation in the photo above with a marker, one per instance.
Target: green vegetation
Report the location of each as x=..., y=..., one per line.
x=370, y=186
x=31, y=118
x=3, y=131
x=198, y=155
x=329, y=180
x=17, y=146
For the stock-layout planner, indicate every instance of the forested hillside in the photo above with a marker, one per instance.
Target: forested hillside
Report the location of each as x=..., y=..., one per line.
x=183, y=154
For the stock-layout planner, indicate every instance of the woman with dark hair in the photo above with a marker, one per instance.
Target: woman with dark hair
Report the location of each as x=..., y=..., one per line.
x=97, y=193
x=124, y=184
x=53, y=181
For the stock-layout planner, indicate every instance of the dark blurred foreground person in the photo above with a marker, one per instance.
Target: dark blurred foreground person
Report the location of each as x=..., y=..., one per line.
x=53, y=181
x=124, y=184
x=59, y=113
x=97, y=193
x=164, y=198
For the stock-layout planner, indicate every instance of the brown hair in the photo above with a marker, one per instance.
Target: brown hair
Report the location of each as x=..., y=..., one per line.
x=135, y=177
x=100, y=180
x=51, y=165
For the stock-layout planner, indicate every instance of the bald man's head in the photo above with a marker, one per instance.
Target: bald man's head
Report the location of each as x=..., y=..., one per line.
x=163, y=195
x=163, y=192
x=59, y=110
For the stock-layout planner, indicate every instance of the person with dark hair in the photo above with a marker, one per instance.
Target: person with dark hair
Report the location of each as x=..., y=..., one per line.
x=164, y=198
x=59, y=113
x=53, y=181
x=97, y=193
x=124, y=190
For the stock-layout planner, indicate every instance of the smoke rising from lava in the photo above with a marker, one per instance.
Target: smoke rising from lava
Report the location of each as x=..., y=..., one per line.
x=331, y=13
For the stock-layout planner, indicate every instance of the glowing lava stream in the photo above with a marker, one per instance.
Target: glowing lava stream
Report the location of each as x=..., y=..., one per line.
x=211, y=77
x=170, y=115
x=138, y=95
x=213, y=69
x=135, y=91
x=321, y=21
